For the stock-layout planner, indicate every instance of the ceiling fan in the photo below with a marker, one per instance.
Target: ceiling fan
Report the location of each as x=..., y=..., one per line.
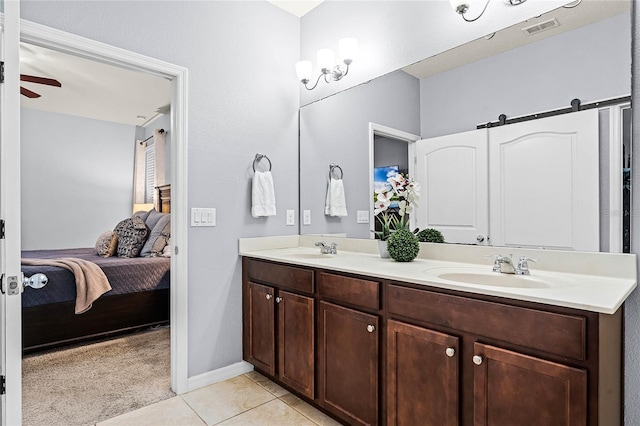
x=39, y=80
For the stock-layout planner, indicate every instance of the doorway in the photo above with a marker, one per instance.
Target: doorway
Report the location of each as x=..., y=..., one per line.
x=64, y=42
x=390, y=150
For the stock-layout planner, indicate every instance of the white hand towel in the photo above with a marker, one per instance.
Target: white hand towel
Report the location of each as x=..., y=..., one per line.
x=263, y=198
x=336, y=204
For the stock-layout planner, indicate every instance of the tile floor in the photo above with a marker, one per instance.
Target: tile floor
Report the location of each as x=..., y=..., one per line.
x=249, y=399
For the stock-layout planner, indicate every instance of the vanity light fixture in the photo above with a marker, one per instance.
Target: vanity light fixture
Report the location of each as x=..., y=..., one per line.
x=347, y=49
x=462, y=6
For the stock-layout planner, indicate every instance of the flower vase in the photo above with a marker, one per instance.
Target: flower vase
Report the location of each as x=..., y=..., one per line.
x=382, y=247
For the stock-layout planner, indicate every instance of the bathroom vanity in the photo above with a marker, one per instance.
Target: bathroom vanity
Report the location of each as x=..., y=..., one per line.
x=440, y=340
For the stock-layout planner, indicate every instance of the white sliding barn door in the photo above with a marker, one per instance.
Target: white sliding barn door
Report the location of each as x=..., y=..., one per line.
x=452, y=172
x=544, y=183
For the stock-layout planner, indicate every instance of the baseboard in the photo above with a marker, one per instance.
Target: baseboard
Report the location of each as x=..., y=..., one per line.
x=218, y=375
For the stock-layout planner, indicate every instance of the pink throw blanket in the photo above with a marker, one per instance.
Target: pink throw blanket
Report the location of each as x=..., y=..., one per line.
x=91, y=282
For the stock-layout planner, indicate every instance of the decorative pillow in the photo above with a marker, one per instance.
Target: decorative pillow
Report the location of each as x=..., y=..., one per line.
x=132, y=234
x=107, y=244
x=166, y=252
x=153, y=217
x=160, y=222
x=142, y=214
x=161, y=242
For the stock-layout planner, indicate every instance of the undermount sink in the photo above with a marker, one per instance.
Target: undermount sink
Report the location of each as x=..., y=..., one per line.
x=489, y=278
x=312, y=256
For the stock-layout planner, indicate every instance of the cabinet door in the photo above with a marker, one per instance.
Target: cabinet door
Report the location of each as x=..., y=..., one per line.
x=512, y=388
x=348, y=362
x=261, y=351
x=296, y=342
x=422, y=371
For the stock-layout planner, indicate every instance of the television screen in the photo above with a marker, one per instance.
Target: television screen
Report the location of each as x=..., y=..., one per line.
x=380, y=176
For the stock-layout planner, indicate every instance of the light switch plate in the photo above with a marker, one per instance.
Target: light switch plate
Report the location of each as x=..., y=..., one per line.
x=291, y=217
x=363, y=216
x=203, y=217
x=306, y=217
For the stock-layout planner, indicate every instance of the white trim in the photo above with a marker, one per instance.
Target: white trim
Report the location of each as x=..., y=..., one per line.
x=59, y=40
x=615, y=177
x=389, y=132
x=219, y=375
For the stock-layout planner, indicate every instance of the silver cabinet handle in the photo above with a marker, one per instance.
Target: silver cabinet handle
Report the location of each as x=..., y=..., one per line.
x=477, y=359
x=370, y=328
x=450, y=352
x=278, y=299
x=480, y=238
x=268, y=296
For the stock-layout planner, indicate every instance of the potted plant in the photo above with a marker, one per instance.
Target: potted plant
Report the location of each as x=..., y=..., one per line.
x=392, y=204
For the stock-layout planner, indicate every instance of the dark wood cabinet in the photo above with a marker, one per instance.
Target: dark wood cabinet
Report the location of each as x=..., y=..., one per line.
x=370, y=351
x=348, y=363
x=261, y=328
x=279, y=327
x=513, y=388
x=422, y=376
x=296, y=340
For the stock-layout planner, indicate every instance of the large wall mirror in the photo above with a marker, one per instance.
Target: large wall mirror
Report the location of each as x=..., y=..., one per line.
x=583, y=52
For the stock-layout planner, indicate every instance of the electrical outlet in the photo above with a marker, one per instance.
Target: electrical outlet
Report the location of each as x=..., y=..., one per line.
x=306, y=217
x=363, y=216
x=291, y=217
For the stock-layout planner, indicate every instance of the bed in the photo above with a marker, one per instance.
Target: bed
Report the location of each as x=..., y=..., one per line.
x=139, y=298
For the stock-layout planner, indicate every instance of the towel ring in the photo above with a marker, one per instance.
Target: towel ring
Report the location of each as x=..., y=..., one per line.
x=258, y=158
x=332, y=168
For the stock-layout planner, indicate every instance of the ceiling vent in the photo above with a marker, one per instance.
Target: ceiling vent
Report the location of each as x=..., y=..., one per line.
x=542, y=26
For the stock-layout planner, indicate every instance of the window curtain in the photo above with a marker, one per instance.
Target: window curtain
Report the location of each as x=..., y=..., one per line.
x=160, y=152
x=139, y=172
x=140, y=167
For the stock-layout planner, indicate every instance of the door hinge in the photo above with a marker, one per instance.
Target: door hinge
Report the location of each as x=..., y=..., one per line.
x=1, y=72
x=3, y=385
x=2, y=229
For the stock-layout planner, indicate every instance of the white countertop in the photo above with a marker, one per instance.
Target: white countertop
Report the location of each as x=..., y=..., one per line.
x=598, y=282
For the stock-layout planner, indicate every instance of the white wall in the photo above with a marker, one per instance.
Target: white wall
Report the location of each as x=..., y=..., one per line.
x=76, y=178
x=590, y=63
x=243, y=98
x=336, y=130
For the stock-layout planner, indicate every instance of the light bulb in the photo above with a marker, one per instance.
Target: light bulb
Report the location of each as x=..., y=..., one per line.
x=326, y=59
x=303, y=70
x=348, y=48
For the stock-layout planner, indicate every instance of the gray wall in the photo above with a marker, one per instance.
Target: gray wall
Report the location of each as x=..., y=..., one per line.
x=236, y=108
x=76, y=178
x=390, y=152
x=590, y=63
x=336, y=130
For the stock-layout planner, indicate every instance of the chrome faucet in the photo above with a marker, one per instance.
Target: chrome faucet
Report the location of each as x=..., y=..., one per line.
x=503, y=264
x=327, y=249
x=523, y=265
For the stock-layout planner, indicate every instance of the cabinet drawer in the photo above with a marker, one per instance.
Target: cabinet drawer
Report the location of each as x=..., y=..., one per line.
x=281, y=276
x=554, y=333
x=354, y=291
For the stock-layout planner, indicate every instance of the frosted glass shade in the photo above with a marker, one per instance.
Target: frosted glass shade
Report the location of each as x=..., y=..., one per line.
x=303, y=70
x=348, y=49
x=326, y=58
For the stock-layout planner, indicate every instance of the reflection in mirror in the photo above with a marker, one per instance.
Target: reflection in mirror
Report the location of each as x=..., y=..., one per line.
x=586, y=57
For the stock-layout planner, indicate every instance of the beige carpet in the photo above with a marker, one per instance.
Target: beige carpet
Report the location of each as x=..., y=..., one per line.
x=86, y=384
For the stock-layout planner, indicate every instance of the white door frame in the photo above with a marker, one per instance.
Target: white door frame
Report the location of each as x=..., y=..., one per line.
x=11, y=310
x=69, y=43
x=380, y=130
x=616, y=212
